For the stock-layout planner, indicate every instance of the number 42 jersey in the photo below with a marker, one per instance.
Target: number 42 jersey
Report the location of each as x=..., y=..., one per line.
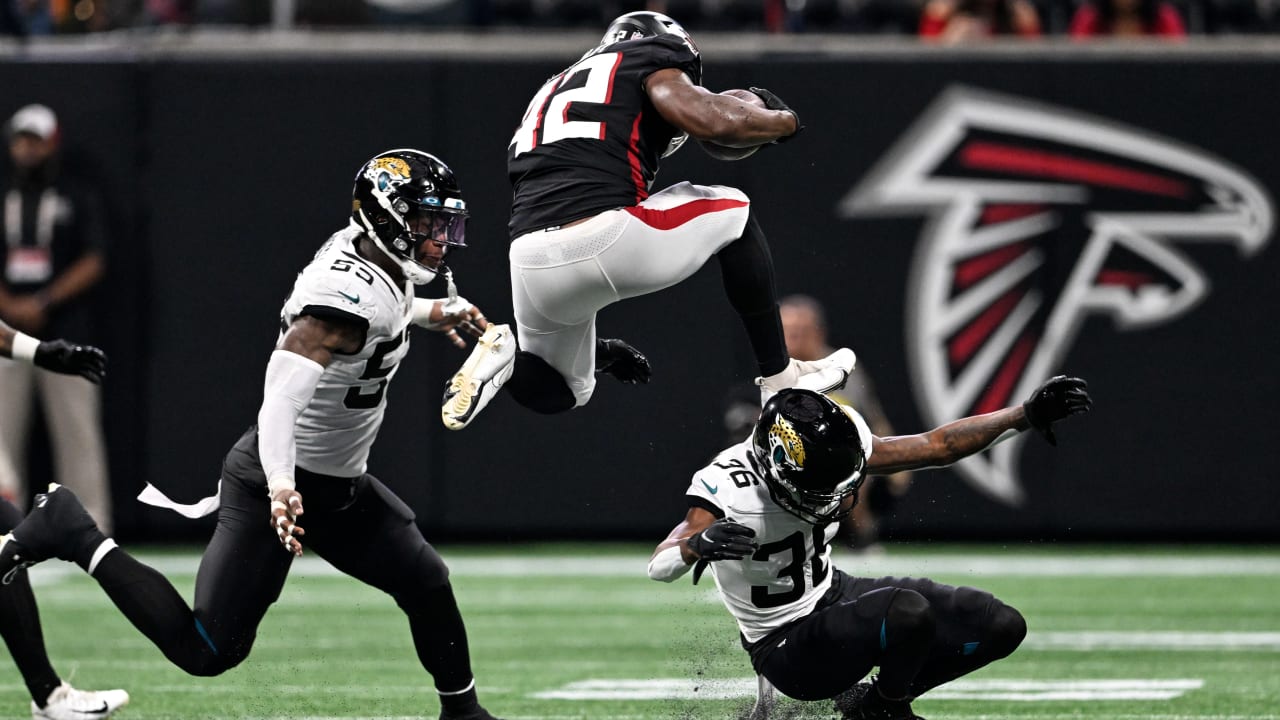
x=789, y=572
x=591, y=139
x=336, y=430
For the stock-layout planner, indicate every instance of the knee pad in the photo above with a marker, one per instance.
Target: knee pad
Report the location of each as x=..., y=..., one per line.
x=210, y=664
x=540, y=387
x=911, y=614
x=423, y=581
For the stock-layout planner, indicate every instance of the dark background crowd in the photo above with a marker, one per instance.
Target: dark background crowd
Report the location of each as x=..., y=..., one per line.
x=945, y=21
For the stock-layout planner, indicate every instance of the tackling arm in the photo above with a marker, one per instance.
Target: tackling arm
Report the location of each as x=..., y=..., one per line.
x=1058, y=398
x=946, y=444
x=721, y=119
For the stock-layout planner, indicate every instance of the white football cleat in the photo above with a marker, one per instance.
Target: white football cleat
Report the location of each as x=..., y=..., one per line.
x=826, y=375
x=68, y=703
x=487, y=368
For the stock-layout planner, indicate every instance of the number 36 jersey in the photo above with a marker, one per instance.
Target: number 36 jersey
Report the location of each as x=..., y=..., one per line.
x=791, y=570
x=336, y=430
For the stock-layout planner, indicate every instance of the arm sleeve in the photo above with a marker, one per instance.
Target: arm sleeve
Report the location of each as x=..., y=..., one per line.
x=290, y=383
x=668, y=565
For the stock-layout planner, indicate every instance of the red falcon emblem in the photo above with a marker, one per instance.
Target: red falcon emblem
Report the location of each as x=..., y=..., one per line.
x=1038, y=216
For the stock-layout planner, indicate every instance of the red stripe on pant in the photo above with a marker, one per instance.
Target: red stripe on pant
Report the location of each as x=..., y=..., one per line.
x=681, y=214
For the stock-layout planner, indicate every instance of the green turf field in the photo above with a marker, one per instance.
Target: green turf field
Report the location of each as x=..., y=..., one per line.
x=1131, y=634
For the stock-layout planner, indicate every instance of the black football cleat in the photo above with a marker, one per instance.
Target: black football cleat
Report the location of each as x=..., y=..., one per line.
x=864, y=702
x=56, y=527
x=478, y=714
x=625, y=363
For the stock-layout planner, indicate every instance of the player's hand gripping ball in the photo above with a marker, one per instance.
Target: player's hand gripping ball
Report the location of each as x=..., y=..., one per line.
x=724, y=152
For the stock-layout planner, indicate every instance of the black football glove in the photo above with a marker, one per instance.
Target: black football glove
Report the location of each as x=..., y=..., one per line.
x=773, y=102
x=1058, y=398
x=61, y=356
x=723, y=540
x=625, y=363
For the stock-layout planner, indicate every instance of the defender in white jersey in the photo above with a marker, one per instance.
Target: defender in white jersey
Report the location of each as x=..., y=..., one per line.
x=762, y=516
x=344, y=330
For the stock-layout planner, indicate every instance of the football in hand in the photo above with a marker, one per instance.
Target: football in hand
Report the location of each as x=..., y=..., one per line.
x=723, y=152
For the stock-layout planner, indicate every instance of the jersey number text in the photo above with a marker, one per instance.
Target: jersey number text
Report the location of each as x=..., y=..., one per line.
x=547, y=118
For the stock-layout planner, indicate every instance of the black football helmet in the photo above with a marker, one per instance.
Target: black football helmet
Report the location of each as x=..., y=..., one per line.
x=407, y=201
x=813, y=452
x=643, y=24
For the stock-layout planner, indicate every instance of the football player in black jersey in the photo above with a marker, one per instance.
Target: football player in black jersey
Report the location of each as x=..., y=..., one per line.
x=51, y=697
x=763, y=514
x=586, y=231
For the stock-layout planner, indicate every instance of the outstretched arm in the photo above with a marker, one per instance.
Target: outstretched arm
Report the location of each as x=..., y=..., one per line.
x=722, y=119
x=57, y=356
x=1058, y=398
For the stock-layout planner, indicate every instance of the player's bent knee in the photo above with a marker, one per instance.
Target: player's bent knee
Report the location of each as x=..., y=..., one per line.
x=210, y=665
x=910, y=615
x=423, y=580
x=1006, y=630
x=540, y=387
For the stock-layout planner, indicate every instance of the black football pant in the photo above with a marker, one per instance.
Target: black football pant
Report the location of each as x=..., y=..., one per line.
x=357, y=524
x=20, y=623
x=919, y=632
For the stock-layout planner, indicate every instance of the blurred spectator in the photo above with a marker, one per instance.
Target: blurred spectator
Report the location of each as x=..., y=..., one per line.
x=958, y=21
x=52, y=256
x=804, y=323
x=1127, y=18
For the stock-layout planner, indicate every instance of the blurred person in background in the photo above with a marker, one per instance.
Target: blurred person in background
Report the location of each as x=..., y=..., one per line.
x=344, y=329
x=52, y=256
x=762, y=516
x=960, y=21
x=586, y=232
x=1127, y=18
x=804, y=323
x=51, y=697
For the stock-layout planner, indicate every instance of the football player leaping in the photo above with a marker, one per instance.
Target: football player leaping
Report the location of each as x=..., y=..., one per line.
x=586, y=232
x=51, y=697
x=344, y=330
x=763, y=513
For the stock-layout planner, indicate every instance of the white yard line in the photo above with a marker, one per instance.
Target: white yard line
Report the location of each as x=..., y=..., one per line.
x=1088, y=640
x=1018, y=690
x=1012, y=564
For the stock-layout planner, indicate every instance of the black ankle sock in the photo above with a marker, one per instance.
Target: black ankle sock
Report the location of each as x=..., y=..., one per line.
x=764, y=331
x=460, y=704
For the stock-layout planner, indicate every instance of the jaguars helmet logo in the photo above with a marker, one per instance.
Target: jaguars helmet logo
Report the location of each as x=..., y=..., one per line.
x=385, y=173
x=786, y=449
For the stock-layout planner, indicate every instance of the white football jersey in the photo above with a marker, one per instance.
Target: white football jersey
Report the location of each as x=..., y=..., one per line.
x=337, y=429
x=791, y=570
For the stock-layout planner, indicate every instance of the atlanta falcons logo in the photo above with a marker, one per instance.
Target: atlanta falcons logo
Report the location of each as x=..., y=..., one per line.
x=1037, y=217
